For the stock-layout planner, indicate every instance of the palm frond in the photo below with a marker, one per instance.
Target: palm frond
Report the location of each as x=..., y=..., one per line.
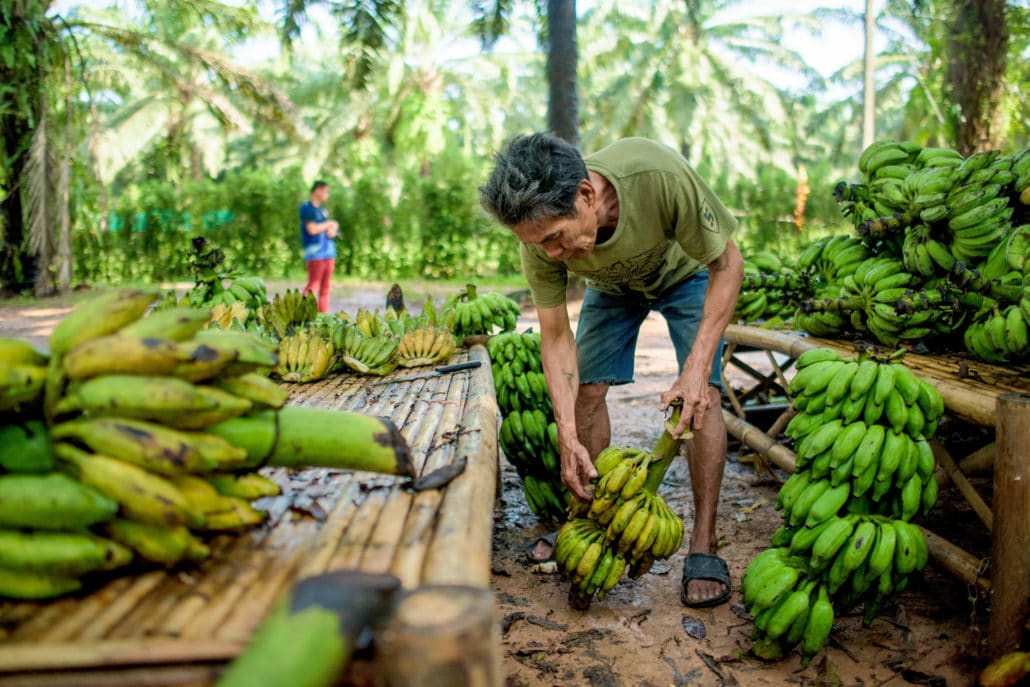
x=492, y=18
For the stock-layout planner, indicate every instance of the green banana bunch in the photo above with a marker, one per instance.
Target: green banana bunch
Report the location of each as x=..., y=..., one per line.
x=286, y=311
x=477, y=314
x=374, y=355
x=1000, y=336
x=587, y=561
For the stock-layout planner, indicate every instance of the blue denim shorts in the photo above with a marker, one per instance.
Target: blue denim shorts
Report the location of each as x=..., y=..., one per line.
x=606, y=337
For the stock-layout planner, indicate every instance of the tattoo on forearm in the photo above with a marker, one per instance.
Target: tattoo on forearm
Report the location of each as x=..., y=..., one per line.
x=720, y=264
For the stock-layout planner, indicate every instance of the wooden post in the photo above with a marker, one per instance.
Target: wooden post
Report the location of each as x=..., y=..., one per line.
x=951, y=471
x=441, y=635
x=1010, y=551
x=979, y=461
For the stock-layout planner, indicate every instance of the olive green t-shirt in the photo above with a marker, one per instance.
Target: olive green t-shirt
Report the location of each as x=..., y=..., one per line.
x=670, y=227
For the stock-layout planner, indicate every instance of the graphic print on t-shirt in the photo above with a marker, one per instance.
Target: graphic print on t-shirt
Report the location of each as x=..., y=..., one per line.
x=636, y=273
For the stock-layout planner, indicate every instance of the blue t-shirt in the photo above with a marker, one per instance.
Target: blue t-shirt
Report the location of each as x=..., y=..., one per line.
x=319, y=246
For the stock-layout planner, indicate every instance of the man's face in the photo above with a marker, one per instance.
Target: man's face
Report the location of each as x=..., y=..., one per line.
x=322, y=194
x=565, y=238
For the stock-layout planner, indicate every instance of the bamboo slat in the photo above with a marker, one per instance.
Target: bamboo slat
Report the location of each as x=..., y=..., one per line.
x=113, y=652
x=461, y=548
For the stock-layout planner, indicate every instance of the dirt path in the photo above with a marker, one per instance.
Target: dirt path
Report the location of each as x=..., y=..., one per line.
x=636, y=636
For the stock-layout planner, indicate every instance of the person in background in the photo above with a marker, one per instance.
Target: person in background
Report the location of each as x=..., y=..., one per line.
x=317, y=232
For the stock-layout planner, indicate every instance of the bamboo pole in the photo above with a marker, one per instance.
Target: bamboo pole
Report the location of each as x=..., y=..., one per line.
x=1010, y=551
x=952, y=472
x=53, y=656
x=336, y=524
x=760, y=442
x=961, y=564
x=979, y=461
x=387, y=534
x=462, y=542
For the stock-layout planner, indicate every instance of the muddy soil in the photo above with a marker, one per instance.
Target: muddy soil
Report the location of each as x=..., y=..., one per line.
x=637, y=635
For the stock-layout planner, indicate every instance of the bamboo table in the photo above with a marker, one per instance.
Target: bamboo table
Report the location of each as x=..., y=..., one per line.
x=975, y=391
x=178, y=627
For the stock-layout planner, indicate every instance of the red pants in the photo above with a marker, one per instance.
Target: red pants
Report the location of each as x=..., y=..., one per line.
x=319, y=273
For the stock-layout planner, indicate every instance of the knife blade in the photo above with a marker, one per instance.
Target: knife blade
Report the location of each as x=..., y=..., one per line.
x=446, y=369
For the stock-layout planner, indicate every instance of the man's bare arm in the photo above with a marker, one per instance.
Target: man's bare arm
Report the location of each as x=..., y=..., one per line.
x=561, y=369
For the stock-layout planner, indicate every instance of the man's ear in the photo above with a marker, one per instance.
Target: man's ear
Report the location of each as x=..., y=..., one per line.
x=588, y=192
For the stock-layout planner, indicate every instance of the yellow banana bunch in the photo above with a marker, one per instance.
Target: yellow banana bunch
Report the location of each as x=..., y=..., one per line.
x=425, y=345
x=223, y=316
x=304, y=356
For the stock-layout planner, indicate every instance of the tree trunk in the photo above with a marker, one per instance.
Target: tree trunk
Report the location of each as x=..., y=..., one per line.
x=64, y=241
x=562, y=104
x=14, y=259
x=978, y=43
x=869, y=72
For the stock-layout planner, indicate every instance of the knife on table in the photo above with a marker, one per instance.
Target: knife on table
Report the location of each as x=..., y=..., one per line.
x=446, y=369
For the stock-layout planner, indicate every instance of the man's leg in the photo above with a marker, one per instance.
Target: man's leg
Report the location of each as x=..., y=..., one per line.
x=706, y=453
x=606, y=341
x=706, y=458
x=328, y=265
x=592, y=422
x=313, y=276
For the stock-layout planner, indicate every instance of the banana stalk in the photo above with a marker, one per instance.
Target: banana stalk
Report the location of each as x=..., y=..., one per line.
x=665, y=450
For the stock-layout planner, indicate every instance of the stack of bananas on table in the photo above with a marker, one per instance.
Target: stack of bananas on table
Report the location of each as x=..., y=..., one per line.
x=528, y=434
x=305, y=356
x=425, y=344
x=926, y=212
x=770, y=291
x=476, y=314
x=239, y=299
x=865, y=468
x=148, y=435
x=22, y=375
x=627, y=525
x=287, y=311
x=424, y=340
x=372, y=354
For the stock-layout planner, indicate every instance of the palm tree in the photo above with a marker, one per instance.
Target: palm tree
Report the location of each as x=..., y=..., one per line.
x=157, y=44
x=683, y=73
x=978, y=47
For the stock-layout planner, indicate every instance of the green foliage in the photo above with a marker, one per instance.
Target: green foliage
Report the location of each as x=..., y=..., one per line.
x=434, y=229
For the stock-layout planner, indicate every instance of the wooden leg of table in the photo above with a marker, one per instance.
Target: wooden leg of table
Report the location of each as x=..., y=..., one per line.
x=777, y=370
x=1010, y=551
x=980, y=461
x=951, y=471
x=441, y=635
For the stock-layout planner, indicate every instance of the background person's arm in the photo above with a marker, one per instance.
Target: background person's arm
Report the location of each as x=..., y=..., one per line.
x=561, y=369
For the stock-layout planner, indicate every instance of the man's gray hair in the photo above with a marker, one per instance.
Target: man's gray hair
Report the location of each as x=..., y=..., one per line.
x=535, y=178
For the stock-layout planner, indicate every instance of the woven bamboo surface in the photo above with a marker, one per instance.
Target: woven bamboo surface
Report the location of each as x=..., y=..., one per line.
x=158, y=627
x=970, y=387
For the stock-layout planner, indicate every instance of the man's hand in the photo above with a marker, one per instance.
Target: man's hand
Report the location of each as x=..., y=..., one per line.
x=691, y=388
x=576, y=468
x=334, y=229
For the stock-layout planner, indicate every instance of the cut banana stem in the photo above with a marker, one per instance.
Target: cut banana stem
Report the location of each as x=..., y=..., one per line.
x=665, y=450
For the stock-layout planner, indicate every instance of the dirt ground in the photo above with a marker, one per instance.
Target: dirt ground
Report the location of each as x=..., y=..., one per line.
x=637, y=635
